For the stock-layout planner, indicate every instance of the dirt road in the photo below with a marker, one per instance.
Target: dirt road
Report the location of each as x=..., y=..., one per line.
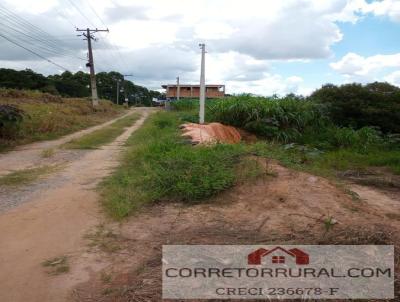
x=53, y=220
x=28, y=156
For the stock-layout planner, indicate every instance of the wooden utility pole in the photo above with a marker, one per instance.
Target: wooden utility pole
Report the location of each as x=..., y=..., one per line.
x=177, y=89
x=87, y=33
x=123, y=86
x=202, y=84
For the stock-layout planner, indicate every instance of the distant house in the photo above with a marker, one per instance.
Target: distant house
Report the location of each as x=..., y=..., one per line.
x=193, y=91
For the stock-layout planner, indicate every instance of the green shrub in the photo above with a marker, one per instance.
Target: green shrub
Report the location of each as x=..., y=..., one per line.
x=10, y=121
x=357, y=106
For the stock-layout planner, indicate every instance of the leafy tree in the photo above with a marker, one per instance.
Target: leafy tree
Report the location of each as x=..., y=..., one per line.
x=24, y=79
x=355, y=105
x=77, y=84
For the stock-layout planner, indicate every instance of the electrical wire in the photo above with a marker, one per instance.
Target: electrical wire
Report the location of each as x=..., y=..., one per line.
x=33, y=52
x=23, y=26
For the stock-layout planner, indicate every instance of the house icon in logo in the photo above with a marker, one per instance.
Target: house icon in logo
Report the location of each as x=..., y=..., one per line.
x=278, y=256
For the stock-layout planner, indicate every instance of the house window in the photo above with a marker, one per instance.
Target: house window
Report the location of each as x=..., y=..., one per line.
x=278, y=259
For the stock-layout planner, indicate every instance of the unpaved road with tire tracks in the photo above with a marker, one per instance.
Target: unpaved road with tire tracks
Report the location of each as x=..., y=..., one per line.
x=53, y=219
x=30, y=155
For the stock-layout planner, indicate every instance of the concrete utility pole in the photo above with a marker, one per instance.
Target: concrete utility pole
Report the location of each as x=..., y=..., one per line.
x=123, y=81
x=117, y=92
x=87, y=33
x=177, y=89
x=202, y=84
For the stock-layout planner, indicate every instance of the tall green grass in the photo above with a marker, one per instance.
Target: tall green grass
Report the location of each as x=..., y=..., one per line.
x=279, y=119
x=300, y=133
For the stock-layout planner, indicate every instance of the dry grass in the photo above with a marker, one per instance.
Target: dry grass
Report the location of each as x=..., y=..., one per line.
x=57, y=265
x=49, y=116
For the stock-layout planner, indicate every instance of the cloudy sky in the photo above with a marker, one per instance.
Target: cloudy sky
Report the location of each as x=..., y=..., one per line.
x=256, y=46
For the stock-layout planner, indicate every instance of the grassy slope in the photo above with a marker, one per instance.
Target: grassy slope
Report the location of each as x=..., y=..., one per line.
x=49, y=116
x=160, y=166
x=104, y=135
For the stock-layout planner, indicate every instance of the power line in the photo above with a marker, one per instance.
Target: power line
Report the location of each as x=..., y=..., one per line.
x=97, y=15
x=44, y=46
x=24, y=25
x=81, y=13
x=63, y=16
x=111, y=61
x=33, y=52
x=87, y=33
x=108, y=44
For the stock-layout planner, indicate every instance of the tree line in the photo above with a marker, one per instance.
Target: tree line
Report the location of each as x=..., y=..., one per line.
x=77, y=84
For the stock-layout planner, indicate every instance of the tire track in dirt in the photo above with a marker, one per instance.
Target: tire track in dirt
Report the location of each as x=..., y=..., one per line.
x=52, y=223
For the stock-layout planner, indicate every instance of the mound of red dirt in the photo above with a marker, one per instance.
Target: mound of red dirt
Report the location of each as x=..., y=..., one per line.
x=211, y=133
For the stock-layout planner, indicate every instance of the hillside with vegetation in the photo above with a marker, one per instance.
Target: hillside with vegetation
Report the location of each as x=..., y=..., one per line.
x=77, y=84
x=27, y=116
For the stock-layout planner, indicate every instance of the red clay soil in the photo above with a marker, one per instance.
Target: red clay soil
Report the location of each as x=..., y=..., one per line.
x=211, y=133
x=282, y=207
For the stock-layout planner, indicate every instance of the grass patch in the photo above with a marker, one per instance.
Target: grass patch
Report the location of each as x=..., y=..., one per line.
x=47, y=153
x=26, y=176
x=160, y=166
x=103, y=136
x=57, y=265
x=103, y=239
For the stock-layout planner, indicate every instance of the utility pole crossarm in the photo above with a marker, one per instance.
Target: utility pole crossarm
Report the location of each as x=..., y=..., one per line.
x=87, y=33
x=93, y=30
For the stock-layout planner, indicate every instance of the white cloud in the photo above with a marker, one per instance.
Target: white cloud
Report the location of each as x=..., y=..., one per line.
x=158, y=39
x=268, y=85
x=393, y=78
x=354, y=66
x=390, y=8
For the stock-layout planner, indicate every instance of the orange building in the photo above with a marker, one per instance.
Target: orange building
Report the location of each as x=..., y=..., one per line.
x=193, y=91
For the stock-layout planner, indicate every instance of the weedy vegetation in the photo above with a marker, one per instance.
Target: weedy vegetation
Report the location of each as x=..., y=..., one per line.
x=301, y=133
x=47, y=153
x=160, y=165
